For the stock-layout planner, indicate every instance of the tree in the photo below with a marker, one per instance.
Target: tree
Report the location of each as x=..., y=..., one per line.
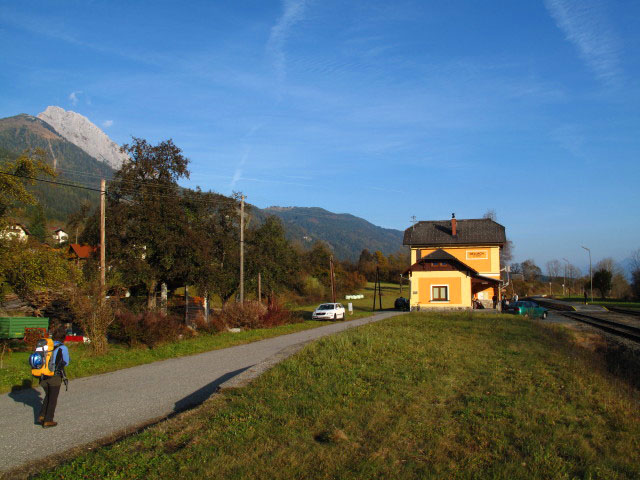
x=635, y=273
x=77, y=219
x=38, y=224
x=530, y=270
x=15, y=175
x=553, y=269
x=271, y=255
x=146, y=222
x=211, y=243
x=602, y=281
x=491, y=215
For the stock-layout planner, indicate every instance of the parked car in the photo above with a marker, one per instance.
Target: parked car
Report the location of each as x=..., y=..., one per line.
x=329, y=311
x=525, y=307
x=401, y=304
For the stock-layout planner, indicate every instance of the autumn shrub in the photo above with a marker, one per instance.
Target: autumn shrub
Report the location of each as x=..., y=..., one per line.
x=93, y=313
x=149, y=328
x=215, y=323
x=278, y=314
x=243, y=315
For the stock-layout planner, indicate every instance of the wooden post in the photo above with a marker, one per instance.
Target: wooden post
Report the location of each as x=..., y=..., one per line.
x=259, y=287
x=242, y=249
x=379, y=287
x=333, y=280
x=163, y=297
x=206, y=306
x=103, y=283
x=186, y=304
x=375, y=287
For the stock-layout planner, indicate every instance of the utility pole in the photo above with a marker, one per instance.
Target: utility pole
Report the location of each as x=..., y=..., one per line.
x=590, y=272
x=259, y=287
x=333, y=280
x=103, y=194
x=242, y=249
x=566, y=265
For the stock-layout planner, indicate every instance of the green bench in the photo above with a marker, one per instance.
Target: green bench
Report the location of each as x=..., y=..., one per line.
x=14, y=327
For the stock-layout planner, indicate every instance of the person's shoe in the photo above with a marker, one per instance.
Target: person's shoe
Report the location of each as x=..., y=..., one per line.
x=49, y=424
x=41, y=419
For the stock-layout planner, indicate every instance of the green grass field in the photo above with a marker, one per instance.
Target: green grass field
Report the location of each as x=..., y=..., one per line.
x=605, y=303
x=417, y=396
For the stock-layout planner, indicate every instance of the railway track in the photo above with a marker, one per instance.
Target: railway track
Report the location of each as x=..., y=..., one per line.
x=625, y=311
x=620, y=329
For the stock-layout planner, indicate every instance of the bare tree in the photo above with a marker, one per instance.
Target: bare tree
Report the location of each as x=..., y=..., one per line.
x=491, y=215
x=553, y=269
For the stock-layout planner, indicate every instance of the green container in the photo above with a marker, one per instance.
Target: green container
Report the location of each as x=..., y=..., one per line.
x=13, y=327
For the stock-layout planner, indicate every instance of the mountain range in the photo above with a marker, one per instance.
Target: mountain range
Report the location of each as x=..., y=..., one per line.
x=82, y=153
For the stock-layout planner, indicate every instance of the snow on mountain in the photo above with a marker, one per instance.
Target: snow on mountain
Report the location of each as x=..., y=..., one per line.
x=79, y=130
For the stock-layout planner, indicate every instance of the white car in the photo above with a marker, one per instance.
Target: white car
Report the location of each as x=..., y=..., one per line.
x=329, y=311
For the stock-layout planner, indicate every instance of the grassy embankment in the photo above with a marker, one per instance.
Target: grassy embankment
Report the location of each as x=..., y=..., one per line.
x=16, y=372
x=605, y=303
x=417, y=396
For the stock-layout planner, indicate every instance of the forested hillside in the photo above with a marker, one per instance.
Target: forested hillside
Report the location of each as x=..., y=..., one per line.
x=347, y=234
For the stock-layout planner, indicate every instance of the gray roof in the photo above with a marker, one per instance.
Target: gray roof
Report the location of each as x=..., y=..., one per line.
x=469, y=232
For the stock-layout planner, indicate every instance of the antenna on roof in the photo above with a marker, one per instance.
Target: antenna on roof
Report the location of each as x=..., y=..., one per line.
x=413, y=221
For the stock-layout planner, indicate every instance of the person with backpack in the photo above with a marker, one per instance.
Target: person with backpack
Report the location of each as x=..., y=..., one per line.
x=48, y=364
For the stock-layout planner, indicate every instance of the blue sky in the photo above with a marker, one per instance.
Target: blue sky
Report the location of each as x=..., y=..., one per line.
x=380, y=109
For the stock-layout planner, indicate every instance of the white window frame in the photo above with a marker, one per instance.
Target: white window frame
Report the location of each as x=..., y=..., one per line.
x=440, y=301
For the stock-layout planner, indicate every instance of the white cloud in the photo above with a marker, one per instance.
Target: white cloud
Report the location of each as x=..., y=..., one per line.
x=584, y=24
x=293, y=13
x=73, y=96
x=107, y=123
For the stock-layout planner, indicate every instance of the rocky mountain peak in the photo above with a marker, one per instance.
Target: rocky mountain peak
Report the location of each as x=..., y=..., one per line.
x=80, y=131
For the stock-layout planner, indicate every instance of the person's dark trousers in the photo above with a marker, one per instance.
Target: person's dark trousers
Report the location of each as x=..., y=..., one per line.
x=51, y=386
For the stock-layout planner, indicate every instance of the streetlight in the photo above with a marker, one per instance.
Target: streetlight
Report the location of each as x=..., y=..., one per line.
x=590, y=274
x=565, y=276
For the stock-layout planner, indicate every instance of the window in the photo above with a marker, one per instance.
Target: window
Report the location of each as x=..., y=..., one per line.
x=440, y=293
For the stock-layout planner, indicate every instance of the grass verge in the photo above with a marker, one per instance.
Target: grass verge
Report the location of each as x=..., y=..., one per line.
x=418, y=396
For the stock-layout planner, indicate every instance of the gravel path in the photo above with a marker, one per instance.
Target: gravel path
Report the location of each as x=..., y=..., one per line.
x=107, y=405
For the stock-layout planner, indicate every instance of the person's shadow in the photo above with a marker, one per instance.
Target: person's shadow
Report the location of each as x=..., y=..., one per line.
x=28, y=395
x=199, y=396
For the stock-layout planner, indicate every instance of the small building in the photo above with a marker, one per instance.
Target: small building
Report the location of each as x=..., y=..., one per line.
x=60, y=236
x=81, y=252
x=16, y=230
x=454, y=262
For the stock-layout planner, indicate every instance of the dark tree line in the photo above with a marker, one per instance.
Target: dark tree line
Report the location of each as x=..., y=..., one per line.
x=159, y=233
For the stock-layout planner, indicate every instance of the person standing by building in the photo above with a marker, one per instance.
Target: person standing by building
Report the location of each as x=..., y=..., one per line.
x=495, y=301
x=51, y=384
x=585, y=297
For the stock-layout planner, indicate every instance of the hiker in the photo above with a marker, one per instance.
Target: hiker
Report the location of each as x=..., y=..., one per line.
x=51, y=384
x=495, y=301
x=503, y=303
x=585, y=297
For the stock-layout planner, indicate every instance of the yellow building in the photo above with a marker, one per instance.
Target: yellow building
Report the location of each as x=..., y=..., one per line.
x=454, y=262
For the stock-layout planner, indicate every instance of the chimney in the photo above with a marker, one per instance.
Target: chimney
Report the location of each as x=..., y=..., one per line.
x=454, y=222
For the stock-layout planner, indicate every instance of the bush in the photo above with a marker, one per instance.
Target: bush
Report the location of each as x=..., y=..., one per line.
x=148, y=328
x=278, y=314
x=214, y=325
x=253, y=314
x=243, y=315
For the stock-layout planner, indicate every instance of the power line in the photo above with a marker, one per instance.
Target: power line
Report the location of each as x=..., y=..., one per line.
x=50, y=181
x=126, y=190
